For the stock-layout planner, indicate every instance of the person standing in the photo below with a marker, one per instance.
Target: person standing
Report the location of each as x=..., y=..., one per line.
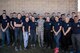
x=76, y=35
x=66, y=39
x=32, y=31
x=57, y=33
x=47, y=32
x=5, y=29
x=40, y=31
x=18, y=32
x=12, y=27
x=26, y=32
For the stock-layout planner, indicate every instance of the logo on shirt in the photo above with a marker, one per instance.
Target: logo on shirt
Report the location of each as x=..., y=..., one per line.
x=78, y=25
x=58, y=23
x=67, y=24
x=6, y=21
x=20, y=20
x=49, y=23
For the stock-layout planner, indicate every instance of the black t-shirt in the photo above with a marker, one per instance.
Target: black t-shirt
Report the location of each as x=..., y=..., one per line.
x=33, y=25
x=76, y=27
x=57, y=25
x=23, y=18
x=26, y=25
x=47, y=25
x=12, y=20
x=4, y=23
x=18, y=21
x=66, y=26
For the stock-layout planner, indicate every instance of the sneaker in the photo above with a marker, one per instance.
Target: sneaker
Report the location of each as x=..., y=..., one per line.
x=16, y=49
x=56, y=50
x=25, y=48
x=20, y=48
x=71, y=52
x=66, y=52
x=34, y=45
x=13, y=44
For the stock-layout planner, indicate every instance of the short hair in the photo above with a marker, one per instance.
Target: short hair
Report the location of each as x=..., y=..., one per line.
x=75, y=16
x=62, y=15
x=4, y=13
x=14, y=12
x=57, y=16
x=19, y=13
x=4, y=10
x=73, y=12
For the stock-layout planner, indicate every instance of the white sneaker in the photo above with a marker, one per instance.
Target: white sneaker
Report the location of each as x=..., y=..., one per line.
x=16, y=49
x=20, y=48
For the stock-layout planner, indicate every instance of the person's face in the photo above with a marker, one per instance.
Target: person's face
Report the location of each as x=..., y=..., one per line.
x=27, y=15
x=67, y=19
x=47, y=19
x=27, y=19
x=4, y=16
x=33, y=18
x=53, y=14
x=19, y=16
x=23, y=13
x=73, y=14
x=40, y=17
x=59, y=14
x=63, y=16
x=45, y=14
x=11, y=15
x=56, y=18
x=14, y=15
x=76, y=19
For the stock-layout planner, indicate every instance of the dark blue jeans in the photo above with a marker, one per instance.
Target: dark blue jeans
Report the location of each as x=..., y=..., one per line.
x=33, y=36
x=6, y=34
x=18, y=36
x=57, y=38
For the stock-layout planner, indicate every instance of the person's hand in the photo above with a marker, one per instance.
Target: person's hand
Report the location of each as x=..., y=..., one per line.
x=13, y=27
x=29, y=33
x=22, y=23
x=64, y=34
x=55, y=33
x=51, y=30
x=3, y=30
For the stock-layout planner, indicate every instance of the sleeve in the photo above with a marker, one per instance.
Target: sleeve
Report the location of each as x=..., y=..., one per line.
x=44, y=24
x=70, y=24
x=29, y=23
x=23, y=23
x=60, y=23
x=52, y=23
x=15, y=20
x=8, y=18
x=0, y=19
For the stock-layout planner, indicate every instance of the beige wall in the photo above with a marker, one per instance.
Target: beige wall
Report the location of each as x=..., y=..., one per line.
x=39, y=6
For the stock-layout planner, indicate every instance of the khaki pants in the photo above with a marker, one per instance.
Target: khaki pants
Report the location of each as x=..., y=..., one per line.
x=40, y=37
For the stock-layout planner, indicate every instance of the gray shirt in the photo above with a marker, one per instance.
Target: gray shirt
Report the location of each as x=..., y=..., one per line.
x=40, y=24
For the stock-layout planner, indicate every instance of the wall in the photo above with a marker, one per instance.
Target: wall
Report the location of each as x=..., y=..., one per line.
x=39, y=6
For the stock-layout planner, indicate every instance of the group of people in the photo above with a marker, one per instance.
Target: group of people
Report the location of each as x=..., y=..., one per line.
x=62, y=29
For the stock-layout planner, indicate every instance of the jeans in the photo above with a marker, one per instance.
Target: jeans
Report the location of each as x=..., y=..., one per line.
x=18, y=36
x=76, y=41
x=33, y=36
x=25, y=37
x=57, y=38
x=6, y=33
